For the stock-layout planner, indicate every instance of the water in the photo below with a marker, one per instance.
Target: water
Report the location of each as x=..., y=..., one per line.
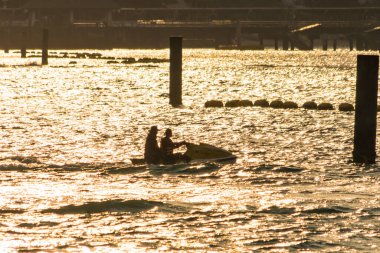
x=68, y=132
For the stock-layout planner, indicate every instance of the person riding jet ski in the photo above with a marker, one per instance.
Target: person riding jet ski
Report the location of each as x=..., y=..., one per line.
x=167, y=149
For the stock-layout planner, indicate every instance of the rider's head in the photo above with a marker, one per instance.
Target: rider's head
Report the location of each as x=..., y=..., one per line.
x=153, y=129
x=168, y=132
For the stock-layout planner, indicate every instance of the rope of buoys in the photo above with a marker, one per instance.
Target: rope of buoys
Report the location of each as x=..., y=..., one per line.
x=278, y=104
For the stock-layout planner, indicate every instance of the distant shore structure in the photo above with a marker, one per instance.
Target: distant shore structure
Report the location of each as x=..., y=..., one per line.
x=221, y=24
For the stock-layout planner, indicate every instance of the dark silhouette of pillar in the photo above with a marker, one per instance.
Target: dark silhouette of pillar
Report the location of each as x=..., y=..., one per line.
x=175, y=90
x=335, y=45
x=351, y=42
x=261, y=42
x=366, y=109
x=359, y=44
x=238, y=35
x=45, y=46
x=365, y=45
x=23, y=52
x=276, y=44
x=325, y=45
x=23, y=45
x=7, y=40
x=311, y=44
x=291, y=45
x=285, y=44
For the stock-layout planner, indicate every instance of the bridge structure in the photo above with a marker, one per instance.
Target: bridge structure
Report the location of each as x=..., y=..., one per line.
x=284, y=28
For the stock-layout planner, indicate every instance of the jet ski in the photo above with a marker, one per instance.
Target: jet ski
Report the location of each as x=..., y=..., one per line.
x=201, y=153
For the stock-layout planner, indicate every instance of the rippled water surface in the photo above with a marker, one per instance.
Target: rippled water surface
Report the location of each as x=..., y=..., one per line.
x=68, y=132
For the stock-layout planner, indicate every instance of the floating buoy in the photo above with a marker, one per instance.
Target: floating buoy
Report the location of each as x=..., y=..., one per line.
x=214, y=103
x=261, y=103
x=346, y=107
x=310, y=105
x=233, y=103
x=245, y=103
x=277, y=104
x=325, y=106
x=290, y=105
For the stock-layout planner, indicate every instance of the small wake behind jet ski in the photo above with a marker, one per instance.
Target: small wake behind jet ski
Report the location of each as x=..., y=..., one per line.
x=199, y=153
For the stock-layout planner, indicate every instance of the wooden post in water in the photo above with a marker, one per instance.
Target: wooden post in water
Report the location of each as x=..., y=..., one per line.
x=285, y=44
x=45, y=46
x=262, y=43
x=276, y=44
x=175, y=90
x=23, y=45
x=359, y=44
x=366, y=109
x=351, y=42
x=325, y=45
x=335, y=44
x=7, y=41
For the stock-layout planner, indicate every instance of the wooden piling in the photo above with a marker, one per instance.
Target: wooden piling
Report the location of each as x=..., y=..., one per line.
x=7, y=41
x=366, y=109
x=359, y=44
x=23, y=52
x=175, y=89
x=285, y=44
x=261, y=40
x=275, y=44
x=351, y=42
x=23, y=45
x=325, y=45
x=335, y=45
x=45, y=46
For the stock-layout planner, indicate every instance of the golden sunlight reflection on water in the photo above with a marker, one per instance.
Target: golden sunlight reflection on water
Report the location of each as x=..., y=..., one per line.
x=68, y=132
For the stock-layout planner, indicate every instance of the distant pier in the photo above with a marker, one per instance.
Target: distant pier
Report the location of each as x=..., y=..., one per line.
x=242, y=28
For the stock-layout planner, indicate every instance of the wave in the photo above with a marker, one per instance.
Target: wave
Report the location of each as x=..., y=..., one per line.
x=282, y=169
x=328, y=210
x=11, y=211
x=127, y=170
x=131, y=206
x=184, y=169
x=40, y=224
x=278, y=210
x=14, y=167
x=23, y=159
x=309, y=244
x=263, y=242
x=289, y=169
